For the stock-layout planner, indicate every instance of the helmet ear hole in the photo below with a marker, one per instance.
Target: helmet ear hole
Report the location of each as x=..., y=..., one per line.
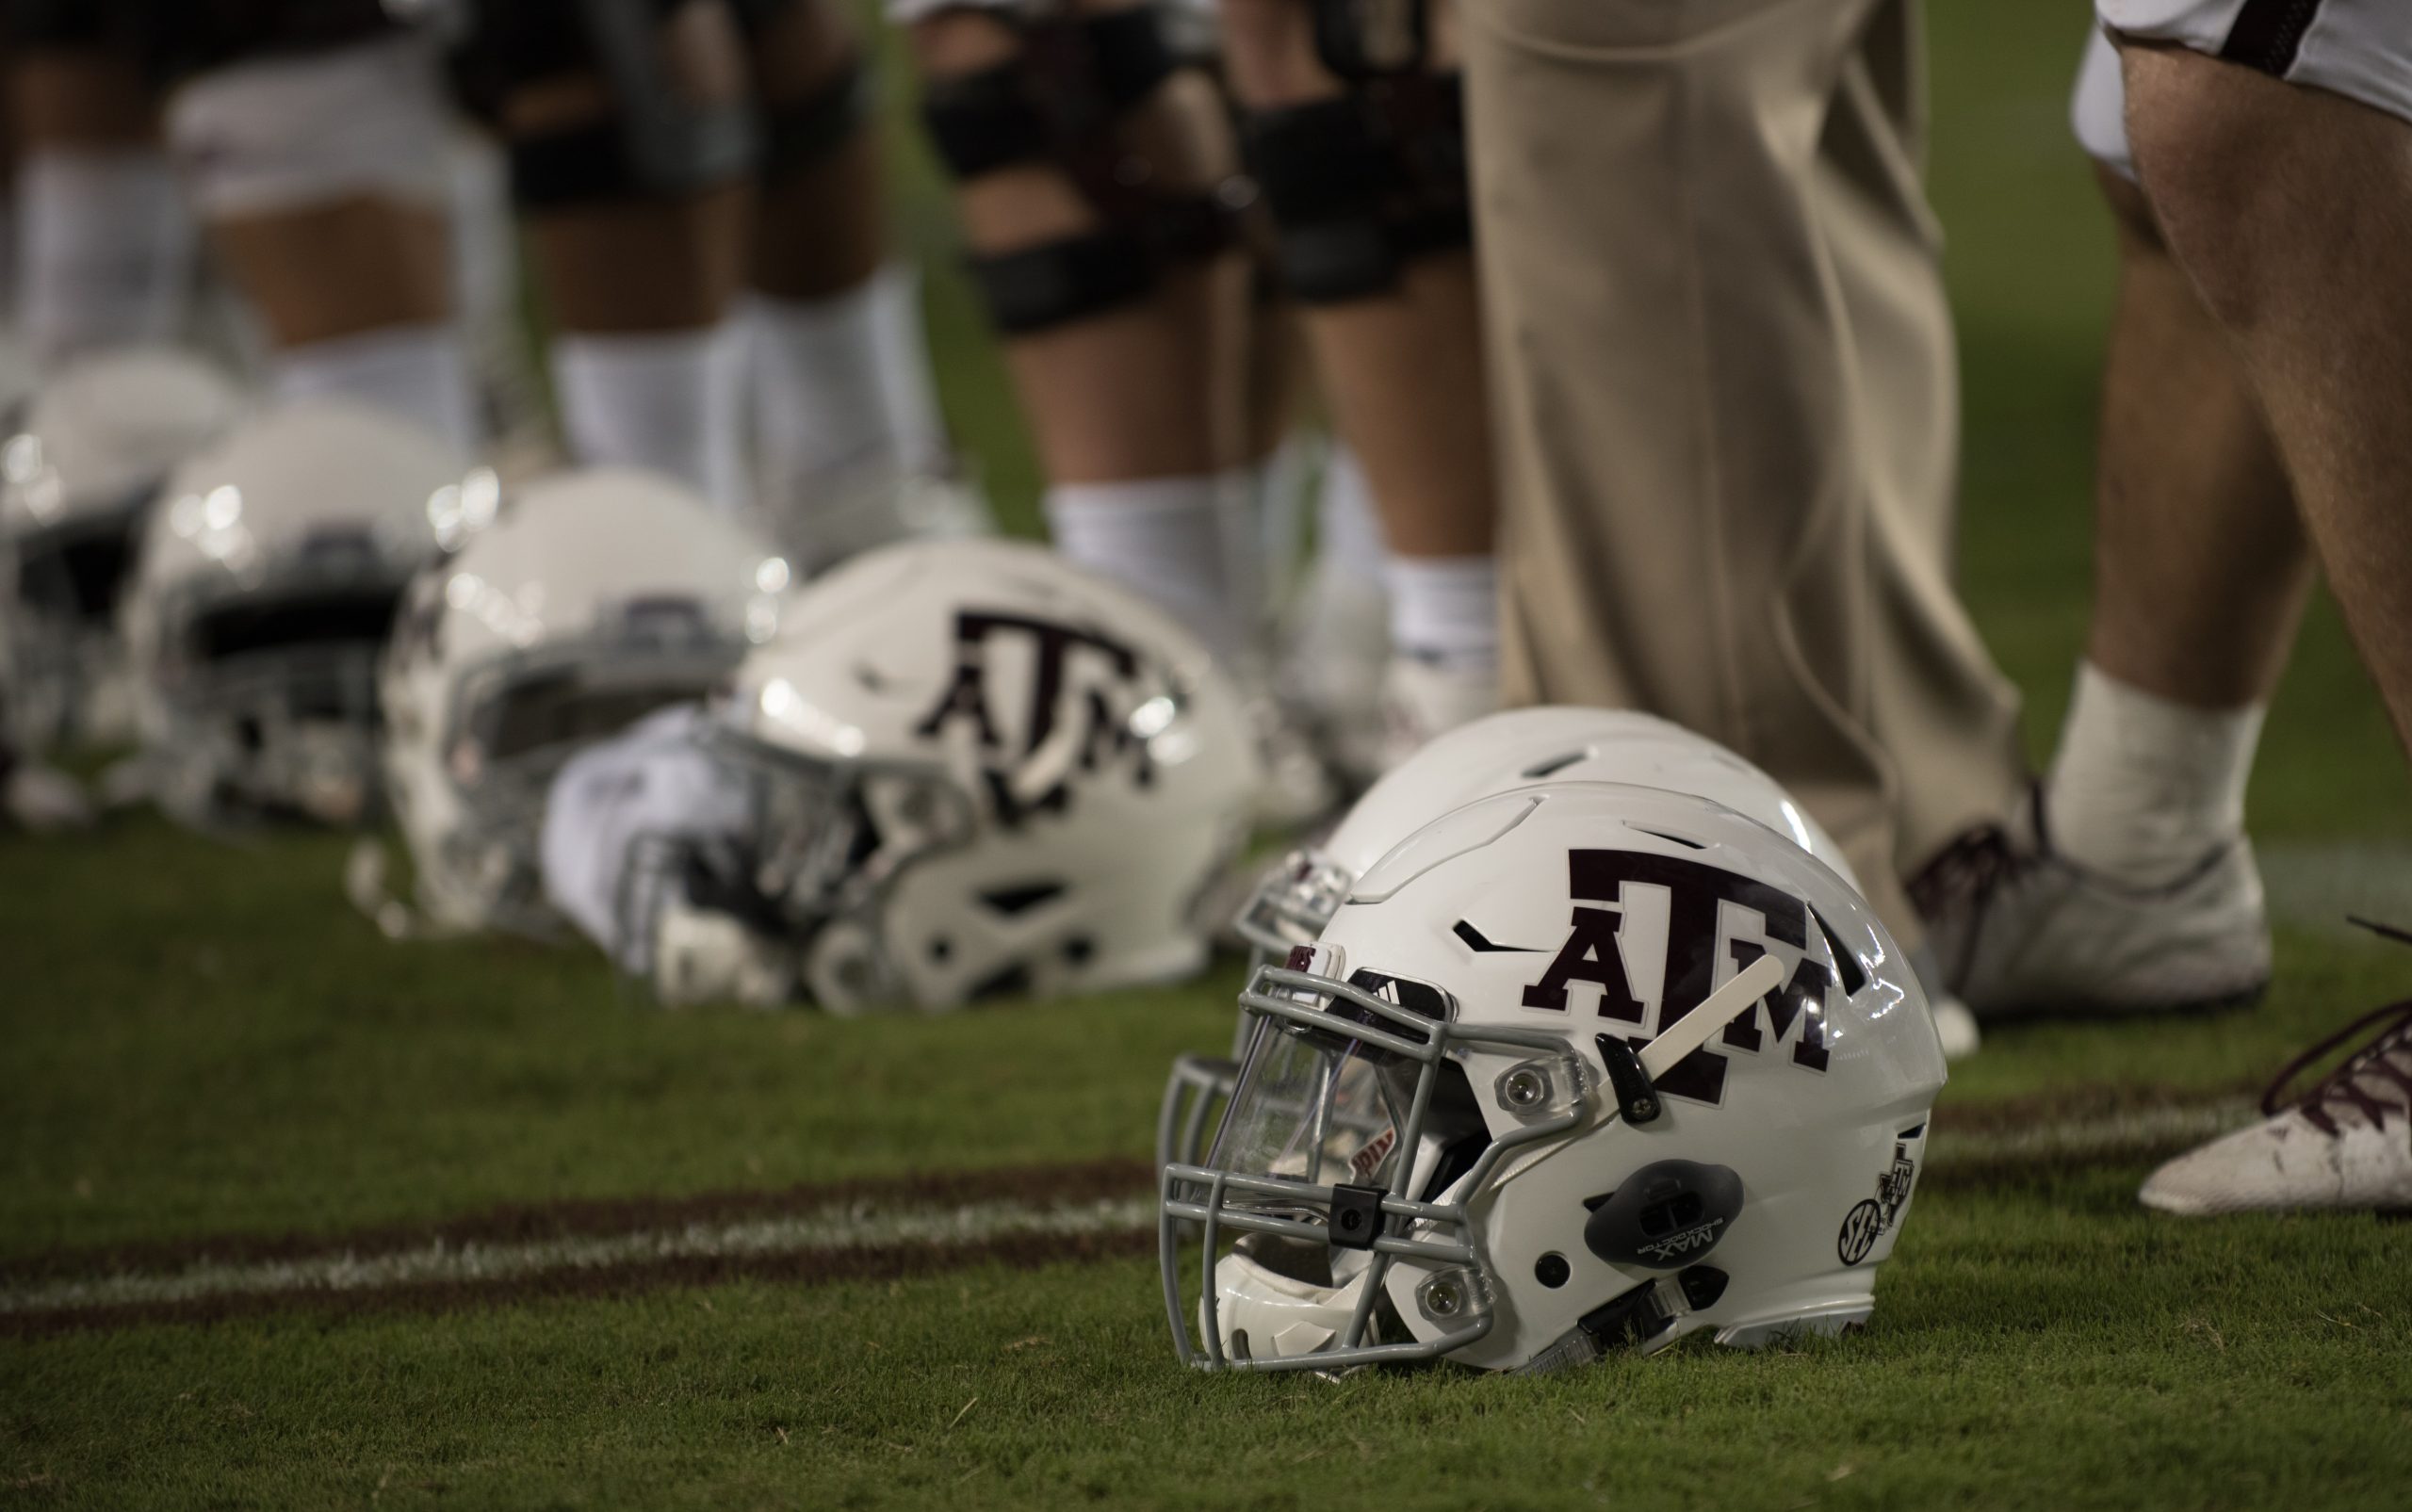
x=1664, y=1216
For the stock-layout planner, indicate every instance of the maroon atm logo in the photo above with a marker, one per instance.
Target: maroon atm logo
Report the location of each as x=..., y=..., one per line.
x=1060, y=674
x=1649, y=930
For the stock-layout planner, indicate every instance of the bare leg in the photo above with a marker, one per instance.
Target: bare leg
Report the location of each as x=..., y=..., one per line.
x=691, y=248
x=1401, y=364
x=1153, y=388
x=1402, y=372
x=1131, y=364
x=2289, y=208
x=821, y=229
x=641, y=282
x=2200, y=563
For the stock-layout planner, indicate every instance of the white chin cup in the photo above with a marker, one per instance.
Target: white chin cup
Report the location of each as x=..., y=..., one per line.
x=1279, y=1317
x=701, y=956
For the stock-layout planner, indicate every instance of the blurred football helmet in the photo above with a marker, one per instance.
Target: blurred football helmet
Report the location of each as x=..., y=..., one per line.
x=1297, y=899
x=83, y=460
x=1574, y=1068
x=974, y=770
x=595, y=598
x=268, y=583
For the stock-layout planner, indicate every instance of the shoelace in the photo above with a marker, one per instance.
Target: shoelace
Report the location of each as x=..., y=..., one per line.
x=2387, y=1057
x=1977, y=864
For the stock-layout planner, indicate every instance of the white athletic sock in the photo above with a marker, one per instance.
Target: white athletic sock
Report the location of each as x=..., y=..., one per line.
x=666, y=401
x=105, y=250
x=2143, y=789
x=419, y=372
x=842, y=386
x=1163, y=538
x=1445, y=610
x=1348, y=534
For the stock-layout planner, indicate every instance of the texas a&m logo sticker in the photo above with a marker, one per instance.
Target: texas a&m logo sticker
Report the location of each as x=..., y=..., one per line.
x=1022, y=684
x=1646, y=941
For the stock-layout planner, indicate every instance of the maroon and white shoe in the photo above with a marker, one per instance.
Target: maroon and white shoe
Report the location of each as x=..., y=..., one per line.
x=2344, y=1144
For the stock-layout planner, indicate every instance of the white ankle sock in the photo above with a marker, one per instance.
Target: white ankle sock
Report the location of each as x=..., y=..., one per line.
x=842, y=386
x=105, y=250
x=1163, y=538
x=666, y=401
x=419, y=372
x=1445, y=610
x=2143, y=789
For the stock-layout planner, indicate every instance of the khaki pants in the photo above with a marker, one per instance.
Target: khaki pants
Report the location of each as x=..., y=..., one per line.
x=1727, y=404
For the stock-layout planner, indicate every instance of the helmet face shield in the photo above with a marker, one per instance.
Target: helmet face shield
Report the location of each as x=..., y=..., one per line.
x=1328, y=1171
x=1315, y=1106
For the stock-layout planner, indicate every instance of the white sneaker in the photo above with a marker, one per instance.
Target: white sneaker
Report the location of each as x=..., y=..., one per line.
x=1424, y=699
x=2347, y=1143
x=2024, y=931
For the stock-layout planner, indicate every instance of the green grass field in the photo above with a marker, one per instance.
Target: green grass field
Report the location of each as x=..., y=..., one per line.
x=292, y=1216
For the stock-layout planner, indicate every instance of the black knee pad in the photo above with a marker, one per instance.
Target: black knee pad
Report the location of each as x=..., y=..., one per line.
x=171, y=39
x=1362, y=184
x=1057, y=102
x=656, y=143
x=799, y=132
x=1363, y=40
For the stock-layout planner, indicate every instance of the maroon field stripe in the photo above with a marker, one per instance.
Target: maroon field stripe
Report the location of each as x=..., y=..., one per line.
x=819, y=1267
x=580, y=1218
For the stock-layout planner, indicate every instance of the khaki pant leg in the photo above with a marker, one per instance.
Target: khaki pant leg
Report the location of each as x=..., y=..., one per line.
x=1725, y=385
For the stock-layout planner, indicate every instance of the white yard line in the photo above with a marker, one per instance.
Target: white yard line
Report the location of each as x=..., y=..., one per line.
x=2140, y=1132
x=830, y=1229
x=2317, y=886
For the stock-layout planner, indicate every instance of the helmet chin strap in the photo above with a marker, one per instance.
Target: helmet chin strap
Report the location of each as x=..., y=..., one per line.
x=1723, y=1006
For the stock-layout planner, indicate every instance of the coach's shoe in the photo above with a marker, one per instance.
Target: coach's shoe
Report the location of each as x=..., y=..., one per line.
x=2347, y=1143
x=2022, y=930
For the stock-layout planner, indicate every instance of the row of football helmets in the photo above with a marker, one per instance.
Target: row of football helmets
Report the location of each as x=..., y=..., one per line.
x=1575, y=1033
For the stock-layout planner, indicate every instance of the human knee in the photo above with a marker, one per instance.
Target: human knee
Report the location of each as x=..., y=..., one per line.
x=611, y=101
x=1007, y=92
x=814, y=93
x=1366, y=180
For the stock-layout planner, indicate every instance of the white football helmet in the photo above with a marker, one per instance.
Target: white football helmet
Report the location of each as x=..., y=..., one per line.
x=597, y=597
x=976, y=769
x=268, y=582
x=1572, y=1068
x=84, y=459
x=1297, y=899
